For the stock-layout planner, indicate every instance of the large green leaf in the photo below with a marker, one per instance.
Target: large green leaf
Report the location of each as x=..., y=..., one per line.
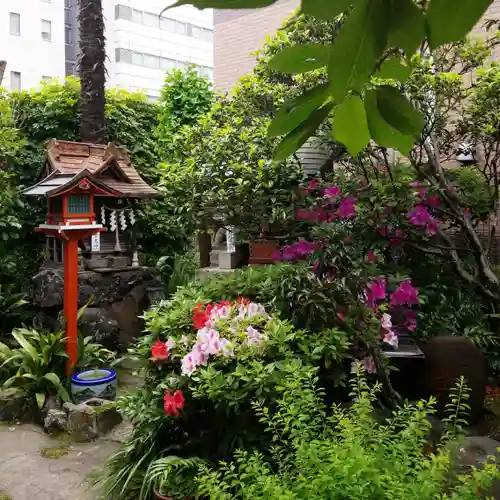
x=350, y=126
x=358, y=47
x=56, y=382
x=381, y=132
x=299, y=136
x=392, y=68
x=407, y=26
x=451, y=20
x=27, y=346
x=300, y=58
x=293, y=113
x=40, y=399
x=398, y=112
x=326, y=9
x=223, y=4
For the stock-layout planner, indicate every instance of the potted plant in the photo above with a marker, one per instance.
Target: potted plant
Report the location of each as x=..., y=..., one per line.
x=91, y=381
x=171, y=478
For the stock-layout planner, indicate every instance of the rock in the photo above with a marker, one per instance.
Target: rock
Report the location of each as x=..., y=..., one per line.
x=55, y=421
x=99, y=324
x=112, y=316
x=472, y=452
x=91, y=420
x=446, y=359
x=48, y=288
x=14, y=407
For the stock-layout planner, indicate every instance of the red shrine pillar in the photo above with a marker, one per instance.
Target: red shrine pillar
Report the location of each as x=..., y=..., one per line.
x=71, y=299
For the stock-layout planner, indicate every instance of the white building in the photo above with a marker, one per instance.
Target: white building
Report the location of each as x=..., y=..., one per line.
x=39, y=39
x=142, y=46
x=31, y=41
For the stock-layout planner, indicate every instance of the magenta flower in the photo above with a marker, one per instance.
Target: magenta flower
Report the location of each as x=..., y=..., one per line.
x=467, y=213
x=432, y=228
x=405, y=294
x=419, y=216
x=432, y=201
x=374, y=291
x=347, y=207
x=331, y=192
x=298, y=250
x=410, y=320
x=371, y=257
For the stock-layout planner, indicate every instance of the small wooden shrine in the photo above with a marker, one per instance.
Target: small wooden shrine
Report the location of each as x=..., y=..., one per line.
x=89, y=189
x=91, y=184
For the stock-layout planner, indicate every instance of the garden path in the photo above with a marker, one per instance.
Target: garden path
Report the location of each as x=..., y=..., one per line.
x=26, y=474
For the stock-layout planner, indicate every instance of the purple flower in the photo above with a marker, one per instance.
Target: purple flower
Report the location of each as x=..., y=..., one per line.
x=347, y=208
x=432, y=228
x=419, y=216
x=405, y=294
x=298, y=250
x=375, y=290
x=331, y=192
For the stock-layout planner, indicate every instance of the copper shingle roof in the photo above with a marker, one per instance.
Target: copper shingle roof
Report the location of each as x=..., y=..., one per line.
x=67, y=157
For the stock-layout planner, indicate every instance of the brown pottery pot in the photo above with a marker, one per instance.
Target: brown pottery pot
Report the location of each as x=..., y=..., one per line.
x=261, y=251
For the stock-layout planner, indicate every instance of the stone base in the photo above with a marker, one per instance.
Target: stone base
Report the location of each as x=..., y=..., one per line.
x=115, y=301
x=228, y=260
x=91, y=420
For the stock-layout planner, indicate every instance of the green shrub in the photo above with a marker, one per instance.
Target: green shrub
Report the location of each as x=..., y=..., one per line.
x=339, y=453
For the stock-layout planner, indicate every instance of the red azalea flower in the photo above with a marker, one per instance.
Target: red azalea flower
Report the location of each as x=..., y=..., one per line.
x=243, y=302
x=341, y=316
x=172, y=403
x=200, y=317
x=159, y=351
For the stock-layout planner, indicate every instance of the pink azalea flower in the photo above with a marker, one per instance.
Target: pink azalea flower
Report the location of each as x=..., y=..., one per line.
x=371, y=257
x=391, y=338
x=331, y=192
x=368, y=364
x=405, y=294
x=375, y=290
x=347, y=208
x=254, y=309
x=170, y=343
x=386, y=321
x=432, y=201
x=226, y=348
x=419, y=216
x=432, y=228
x=467, y=213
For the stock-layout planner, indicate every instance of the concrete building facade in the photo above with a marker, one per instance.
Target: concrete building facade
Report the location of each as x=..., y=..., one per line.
x=31, y=41
x=39, y=39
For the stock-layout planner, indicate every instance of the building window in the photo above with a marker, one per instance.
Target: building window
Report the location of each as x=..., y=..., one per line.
x=195, y=31
x=78, y=204
x=68, y=16
x=68, y=4
x=46, y=30
x=167, y=64
x=15, y=24
x=68, y=35
x=123, y=12
x=137, y=16
x=207, y=35
x=151, y=20
x=70, y=68
x=15, y=80
x=180, y=28
x=151, y=61
x=137, y=58
x=123, y=55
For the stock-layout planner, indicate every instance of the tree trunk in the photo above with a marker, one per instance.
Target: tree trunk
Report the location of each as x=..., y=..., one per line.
x=92, y=71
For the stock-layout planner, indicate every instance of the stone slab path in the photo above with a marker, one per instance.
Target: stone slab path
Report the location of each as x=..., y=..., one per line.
x=27, y=475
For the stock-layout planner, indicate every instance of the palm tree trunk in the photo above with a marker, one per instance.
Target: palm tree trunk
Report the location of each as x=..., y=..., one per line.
x=92, y=71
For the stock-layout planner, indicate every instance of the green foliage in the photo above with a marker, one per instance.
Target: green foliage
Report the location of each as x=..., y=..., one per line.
x=346, y=454
x=171, y=476
x=185, y=97
x=91, y=354
x=37, y=365
x=370, y=29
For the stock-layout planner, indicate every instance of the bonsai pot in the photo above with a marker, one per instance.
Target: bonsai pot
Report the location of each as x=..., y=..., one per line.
x=97, y=383
x=262, y=250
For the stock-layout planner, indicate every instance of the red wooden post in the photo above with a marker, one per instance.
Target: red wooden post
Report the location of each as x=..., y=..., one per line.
x=71, y=300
